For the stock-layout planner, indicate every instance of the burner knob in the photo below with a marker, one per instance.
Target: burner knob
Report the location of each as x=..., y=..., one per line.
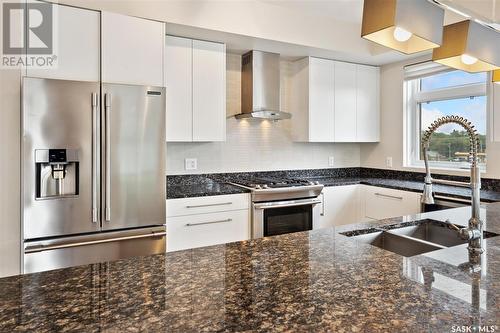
x=310, y=182
x=265, y=186
x=257, y=187
x=316, y=183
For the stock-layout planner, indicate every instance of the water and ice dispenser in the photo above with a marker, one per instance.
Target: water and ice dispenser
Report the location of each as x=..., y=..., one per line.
x=56, y=173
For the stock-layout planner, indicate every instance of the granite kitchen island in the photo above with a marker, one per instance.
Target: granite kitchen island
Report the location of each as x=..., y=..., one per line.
x=309, y=281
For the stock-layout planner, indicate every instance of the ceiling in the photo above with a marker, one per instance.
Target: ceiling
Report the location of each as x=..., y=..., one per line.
x=343, y=10
x=486, y=10
x=352, y=10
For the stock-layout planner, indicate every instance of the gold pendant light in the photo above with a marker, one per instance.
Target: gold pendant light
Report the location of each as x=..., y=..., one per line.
x=469, y=46
x=496, y=76
x=408, y=26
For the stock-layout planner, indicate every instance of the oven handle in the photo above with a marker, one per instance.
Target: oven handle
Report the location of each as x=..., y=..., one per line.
x=283, y=205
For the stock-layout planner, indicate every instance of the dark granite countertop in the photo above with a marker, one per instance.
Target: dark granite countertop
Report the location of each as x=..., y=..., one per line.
x=203, y=190
x=411, y=185
x=317, y=281
x=186, y=186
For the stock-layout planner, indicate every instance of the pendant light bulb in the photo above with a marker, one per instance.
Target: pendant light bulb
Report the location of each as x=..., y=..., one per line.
x=402, y=35
x=468, y=60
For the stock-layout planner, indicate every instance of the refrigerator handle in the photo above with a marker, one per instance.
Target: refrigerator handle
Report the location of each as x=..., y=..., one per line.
x=95, y=158
x=41, y=248
x=107, y=110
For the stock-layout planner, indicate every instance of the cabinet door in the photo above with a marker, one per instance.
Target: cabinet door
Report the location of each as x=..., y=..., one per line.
x=340, y=206
x=209, y=91
x=367, y=104
x=178, y=80
x=210, y=204
x=345, y=102
x=381, y=203
x=132, y=50
x=321, y=100
x=76, y=46
x=191, y=231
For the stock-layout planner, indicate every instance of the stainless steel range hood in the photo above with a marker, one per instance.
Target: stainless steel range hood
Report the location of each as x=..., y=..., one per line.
x=260, y=86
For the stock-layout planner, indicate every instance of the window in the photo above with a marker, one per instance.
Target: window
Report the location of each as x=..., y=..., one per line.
x=434, y=91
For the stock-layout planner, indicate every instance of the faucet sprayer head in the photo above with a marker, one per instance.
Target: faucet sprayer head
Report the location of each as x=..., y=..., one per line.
x=427, y=196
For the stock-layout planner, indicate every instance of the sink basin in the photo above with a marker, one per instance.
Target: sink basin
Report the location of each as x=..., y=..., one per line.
x=435, y=232
x=411, y=238
x=405, y=246
x=432, y=231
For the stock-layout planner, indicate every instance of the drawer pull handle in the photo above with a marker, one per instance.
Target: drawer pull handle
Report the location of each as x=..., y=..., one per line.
x=212, y=222
x=389, y=196
x=210, y=205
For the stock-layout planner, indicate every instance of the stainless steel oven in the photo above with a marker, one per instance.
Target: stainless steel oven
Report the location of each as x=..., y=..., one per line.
x=282, y=217
x=282, y=205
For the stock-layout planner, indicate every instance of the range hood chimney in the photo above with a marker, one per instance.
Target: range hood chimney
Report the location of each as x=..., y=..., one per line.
x=260, y=86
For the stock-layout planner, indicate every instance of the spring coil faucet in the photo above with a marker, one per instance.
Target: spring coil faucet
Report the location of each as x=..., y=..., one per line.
x=474, y=232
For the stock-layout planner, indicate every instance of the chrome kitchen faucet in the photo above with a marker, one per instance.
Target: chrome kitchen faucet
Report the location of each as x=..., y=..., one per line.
x=474, y=232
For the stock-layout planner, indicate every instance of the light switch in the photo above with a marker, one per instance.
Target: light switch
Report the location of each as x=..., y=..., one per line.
x=331, y=161
x=191, y=163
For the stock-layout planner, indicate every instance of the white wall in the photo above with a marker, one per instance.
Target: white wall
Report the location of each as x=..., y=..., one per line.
x=10, y=165
x=10, y=169
x=392, y=127
x=251, y=18
x=322, y=32
x=254, y=145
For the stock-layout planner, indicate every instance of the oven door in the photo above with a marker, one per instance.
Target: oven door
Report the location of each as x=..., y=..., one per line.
x=283, y=217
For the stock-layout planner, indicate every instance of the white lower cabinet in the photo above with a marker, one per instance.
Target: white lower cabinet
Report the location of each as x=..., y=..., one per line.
x=339, y=206
x=205, y=221
x=362, y=203
x=381, y=203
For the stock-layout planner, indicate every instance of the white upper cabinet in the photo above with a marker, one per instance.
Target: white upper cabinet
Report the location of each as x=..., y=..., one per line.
x=195, y=76
x=334, y=101
x=77, y=46
x=209, y=91
x=178, y=80
x=345, y=102
x=321, y=100
x=132, y=50
x=313, y=106
x=367, y=104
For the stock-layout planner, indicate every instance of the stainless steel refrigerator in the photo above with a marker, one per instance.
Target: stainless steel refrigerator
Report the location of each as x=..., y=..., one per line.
x=93, y=172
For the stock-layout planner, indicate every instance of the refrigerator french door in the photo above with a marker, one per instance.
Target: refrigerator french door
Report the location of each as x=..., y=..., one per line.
x=93, y=172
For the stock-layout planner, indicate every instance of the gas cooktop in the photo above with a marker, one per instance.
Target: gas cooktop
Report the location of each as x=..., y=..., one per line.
x=258, y=183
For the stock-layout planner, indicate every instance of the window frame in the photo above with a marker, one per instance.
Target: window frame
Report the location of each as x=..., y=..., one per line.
x=413, y=97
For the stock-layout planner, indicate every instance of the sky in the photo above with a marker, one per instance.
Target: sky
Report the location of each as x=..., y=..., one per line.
x=472, y=109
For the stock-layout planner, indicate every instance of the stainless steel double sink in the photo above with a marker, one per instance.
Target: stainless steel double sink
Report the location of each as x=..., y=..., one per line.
x=411, y=238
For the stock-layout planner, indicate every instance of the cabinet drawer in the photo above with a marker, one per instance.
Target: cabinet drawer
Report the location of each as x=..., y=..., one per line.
x=190, y=231
x=383, y=203
x=203, y=205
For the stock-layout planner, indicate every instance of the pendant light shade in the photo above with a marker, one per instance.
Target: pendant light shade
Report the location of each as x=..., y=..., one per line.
x=469, y=46
x=496, y=76
x=408, y=26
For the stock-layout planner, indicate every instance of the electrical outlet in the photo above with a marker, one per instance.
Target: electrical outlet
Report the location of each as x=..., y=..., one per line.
x=331, y=161
x=388, y=162
x=191, y=163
